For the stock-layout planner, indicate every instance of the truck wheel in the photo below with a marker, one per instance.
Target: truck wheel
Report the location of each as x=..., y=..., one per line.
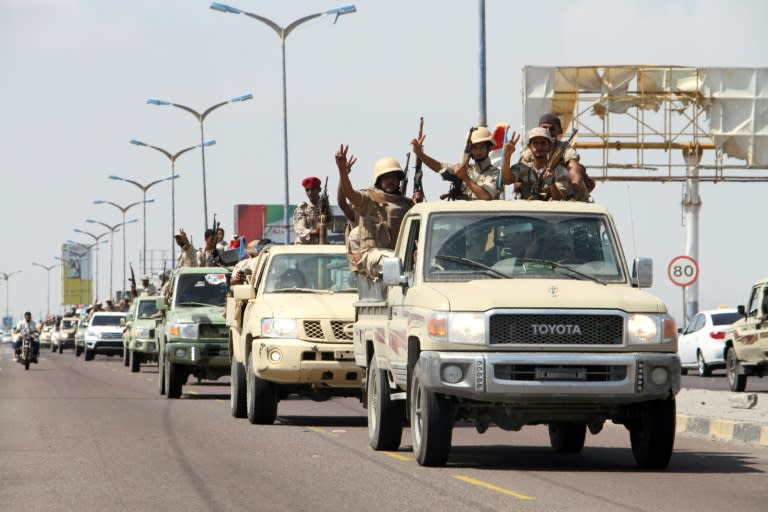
x=567, y=437
x=683, y=371
x=237, y=390
x=89, y=355
x=61, y=348
x=653, y=435
x=78, y=351
x=385, y=416
x=431, y=423
x=704, y=369
x=135, y=362
x=261, y=398
x=735, y=381
x=53, y=347
x=161, y=374
x=174, y=379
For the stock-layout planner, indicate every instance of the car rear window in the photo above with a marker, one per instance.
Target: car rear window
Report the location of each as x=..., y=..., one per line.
x=724, y=318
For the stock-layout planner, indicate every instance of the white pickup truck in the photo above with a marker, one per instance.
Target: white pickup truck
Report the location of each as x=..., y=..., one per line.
x=515, y=313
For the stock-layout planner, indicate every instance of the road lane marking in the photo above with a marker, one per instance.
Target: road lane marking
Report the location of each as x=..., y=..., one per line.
x=492, y=487
x=397, y=456
x=321, y=431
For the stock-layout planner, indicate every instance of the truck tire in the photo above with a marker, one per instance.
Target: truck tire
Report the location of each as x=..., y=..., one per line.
x=385, y=416
x=89, y=355
x=161, y=374
x=567, y=437
x=261, y=398
x=61, y=348
x=704, y=369
x=735, y=381
x=135, y=362
x=653, y=434
x=431, y=423
x=78, y=351
x=237, y=390
x=174, y=380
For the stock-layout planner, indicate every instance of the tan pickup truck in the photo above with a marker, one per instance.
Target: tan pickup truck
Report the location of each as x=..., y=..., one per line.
x=291, y=330
x=515, y=313
x=746, y=342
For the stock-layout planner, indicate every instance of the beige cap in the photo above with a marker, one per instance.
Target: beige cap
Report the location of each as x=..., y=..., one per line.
x=539, y=132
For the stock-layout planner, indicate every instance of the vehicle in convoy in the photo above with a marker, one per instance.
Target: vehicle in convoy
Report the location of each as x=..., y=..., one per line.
x=82, y=326
x=192, y=336
x=45, y=335
x=64, y=335
x=746, y=342
x=139, y=345
x=291, y=330
x=104, y=334
x=515, y=313
x=701, y=345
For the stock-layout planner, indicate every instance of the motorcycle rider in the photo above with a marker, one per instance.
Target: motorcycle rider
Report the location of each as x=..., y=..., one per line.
x=23, y=328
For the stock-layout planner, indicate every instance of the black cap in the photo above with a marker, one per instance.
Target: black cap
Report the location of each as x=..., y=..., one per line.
x=550, y=118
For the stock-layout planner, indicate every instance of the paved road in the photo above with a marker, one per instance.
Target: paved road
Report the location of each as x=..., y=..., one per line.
x=719, y=382
x=92, y=436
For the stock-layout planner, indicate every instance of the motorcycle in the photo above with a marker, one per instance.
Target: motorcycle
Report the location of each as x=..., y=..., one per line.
x=27, y=351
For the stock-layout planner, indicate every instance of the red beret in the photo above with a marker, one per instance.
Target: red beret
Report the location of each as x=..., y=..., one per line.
x=310, y=182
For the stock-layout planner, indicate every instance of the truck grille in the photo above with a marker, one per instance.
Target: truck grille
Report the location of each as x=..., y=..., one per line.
x=324, y=330
x=532, y=372
x=560, y=329
x=111, y=336
x=213, y=331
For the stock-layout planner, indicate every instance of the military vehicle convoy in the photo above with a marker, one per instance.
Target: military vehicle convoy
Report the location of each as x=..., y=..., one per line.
x=746, y=342
x=291, y=330
x=191, y=337
x=515, y=313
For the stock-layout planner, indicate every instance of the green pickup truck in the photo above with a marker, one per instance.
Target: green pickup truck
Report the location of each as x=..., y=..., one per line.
x=192, y=337
x=139, y=344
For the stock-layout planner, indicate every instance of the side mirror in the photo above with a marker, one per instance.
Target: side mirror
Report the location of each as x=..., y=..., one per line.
x=243, y=292
x=742, y=310
x=160, y=304
x=642, y=273
x=392, y=272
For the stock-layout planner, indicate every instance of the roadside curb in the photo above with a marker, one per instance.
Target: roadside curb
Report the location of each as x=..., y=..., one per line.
x=723, y=430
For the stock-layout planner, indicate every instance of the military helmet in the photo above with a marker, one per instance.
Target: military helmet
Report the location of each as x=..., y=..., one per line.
x=481, y=134
x=386, y=165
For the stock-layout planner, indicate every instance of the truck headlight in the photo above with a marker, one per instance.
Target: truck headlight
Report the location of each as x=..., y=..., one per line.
x=189, y=331
x=457, y=327
x=648, y=329
x=141, y=332
x=279, y=328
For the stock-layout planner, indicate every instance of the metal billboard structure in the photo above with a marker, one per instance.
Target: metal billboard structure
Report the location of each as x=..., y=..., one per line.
x=76, y=275
x=660, y=124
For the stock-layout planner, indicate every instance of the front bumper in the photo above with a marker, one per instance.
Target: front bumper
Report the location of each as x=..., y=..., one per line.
x=293, y=361
x=105, y=346
x=518, y=378
x=208, y=354
x=143, y=346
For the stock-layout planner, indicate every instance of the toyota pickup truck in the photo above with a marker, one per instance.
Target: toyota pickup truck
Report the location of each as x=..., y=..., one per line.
x=746, y=345
x=515, y=313
x=291, y=330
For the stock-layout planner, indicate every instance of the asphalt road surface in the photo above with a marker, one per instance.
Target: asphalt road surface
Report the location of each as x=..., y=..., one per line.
x=719, y=382
x=91, y=436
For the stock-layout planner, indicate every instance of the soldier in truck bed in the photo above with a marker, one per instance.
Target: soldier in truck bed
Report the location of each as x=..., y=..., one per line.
x=306, y=217
x=534, y=181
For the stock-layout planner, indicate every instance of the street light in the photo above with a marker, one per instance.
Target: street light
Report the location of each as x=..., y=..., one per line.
x=96, y=239
x=172, y=158
x=7, y=277
x=112, y=230
x=200, y=118
x=144, y=200
x=48, y=271
x=282, y=33
x=123, y=209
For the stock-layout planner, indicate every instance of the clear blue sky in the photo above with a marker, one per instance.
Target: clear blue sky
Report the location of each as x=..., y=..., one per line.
x=77, y=74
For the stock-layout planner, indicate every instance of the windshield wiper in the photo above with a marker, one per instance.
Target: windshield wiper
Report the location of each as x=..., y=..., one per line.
x=190, y=303
x=473, y=264
x=555, y=264
x=298, y=290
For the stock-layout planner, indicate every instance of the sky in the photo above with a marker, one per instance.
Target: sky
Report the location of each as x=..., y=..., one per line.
x=77, y=73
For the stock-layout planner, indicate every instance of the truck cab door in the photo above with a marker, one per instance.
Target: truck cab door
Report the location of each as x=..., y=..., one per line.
x=398, y=311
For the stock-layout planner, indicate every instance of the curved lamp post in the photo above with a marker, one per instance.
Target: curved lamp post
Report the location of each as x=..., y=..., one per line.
x=200, y=116
x=123, y=209
x=172, y=157
x=282, y=33
x=112, y=230
x=144, y=200
x=7, y=277
x=48, y=271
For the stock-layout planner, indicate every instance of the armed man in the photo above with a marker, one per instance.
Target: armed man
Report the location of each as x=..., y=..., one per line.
x=477, y=180
x=187, y=256
x=543, y=179
x=208, y=255
x=306, y=217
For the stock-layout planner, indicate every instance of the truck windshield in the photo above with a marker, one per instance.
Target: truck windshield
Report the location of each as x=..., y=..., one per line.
x=310, y=273
x=105, y=320
x=146, y=309
x=521, y=246
x=201, y=289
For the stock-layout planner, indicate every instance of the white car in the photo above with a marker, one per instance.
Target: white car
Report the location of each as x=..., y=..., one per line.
x=104, y=334
x=701, y=345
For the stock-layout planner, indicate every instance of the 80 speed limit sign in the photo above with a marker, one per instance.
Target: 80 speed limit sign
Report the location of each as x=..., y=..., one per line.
x=683, y=270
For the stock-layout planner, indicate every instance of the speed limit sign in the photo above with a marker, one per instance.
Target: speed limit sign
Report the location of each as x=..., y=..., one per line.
x=683, y=270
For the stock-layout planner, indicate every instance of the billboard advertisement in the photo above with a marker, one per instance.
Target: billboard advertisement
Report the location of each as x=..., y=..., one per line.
x=76, y=275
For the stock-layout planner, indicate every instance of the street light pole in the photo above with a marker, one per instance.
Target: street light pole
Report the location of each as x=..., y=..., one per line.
x=7, y=277
x=200, y=118
x=123, y=209
x=172, y=158
x=144, y=200
x=96, y=239
x=112, y=230
x=282, y=33
x=48, y=271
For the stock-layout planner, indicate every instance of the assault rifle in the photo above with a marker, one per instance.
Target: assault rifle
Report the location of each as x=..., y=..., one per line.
x=418, y=174
x=554, y=160
x=404, y=182
x=215, y=251
x=132, y=279
x=322, y=223
x=454, y=193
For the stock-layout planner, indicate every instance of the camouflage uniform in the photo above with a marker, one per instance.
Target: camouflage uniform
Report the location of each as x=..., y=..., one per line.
x=380, y=217
x=535, y=185
x=305, y=218
x=206, y=258
x=484, y=173
x=187, y=257
x=526, y=157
